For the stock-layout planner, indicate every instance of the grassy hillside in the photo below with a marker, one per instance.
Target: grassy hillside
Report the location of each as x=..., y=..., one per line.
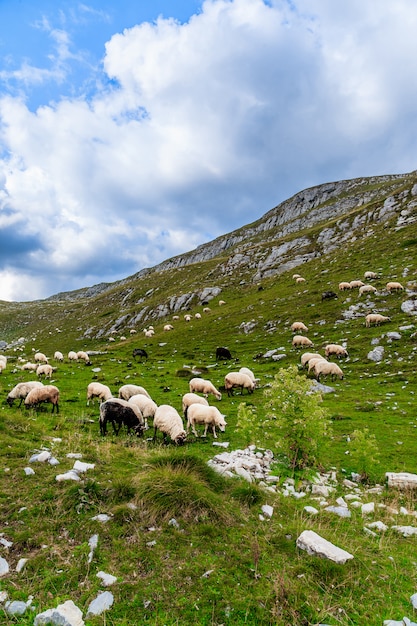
x=220, y=564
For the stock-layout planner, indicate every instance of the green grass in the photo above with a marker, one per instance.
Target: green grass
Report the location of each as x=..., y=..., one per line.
x=257, y=575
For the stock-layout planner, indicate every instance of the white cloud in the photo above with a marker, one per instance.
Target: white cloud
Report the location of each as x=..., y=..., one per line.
x=200, y=128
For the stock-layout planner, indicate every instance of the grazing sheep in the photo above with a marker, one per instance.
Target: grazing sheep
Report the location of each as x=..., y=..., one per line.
x=30, y=366
x=325, y=368
x=312, y=364
x=343, y=286
x=45, y=393
x=248, y=372
x=187, y=317
x=367, y=289
x=21, y=390
x=207, y=415
x=237, y=379
x=394, y=287
x=296, y=327
x=191, y=398
x=328, y=295
x=127, y=391
x=58, y=356
x=295, y=276
x=45, y=370
x=200, y=385
x=72, y=356
x=336, y=350
x=206, y=309
x=370, y=275
x=40, y=357
x=354, y=284
x=132, y=331
x=84, y=356
x=168, y=327
x=169, y=422
x=98, y=390
x=299, y=341
x=223, y=353
x=140, y=352
x=197, y=316
x=3, y=363
x=120, y=413
x=306, y=356
x=221, y=302
x=149, y=332
x=300, y=279
x=375, y=319
x=146, y=406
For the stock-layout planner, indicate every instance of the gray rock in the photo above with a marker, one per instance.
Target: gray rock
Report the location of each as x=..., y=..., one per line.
x=15, y=607
x=317, y=546
x=66, y=614
x=100, y=604
x=4, y=567
x=377, y=354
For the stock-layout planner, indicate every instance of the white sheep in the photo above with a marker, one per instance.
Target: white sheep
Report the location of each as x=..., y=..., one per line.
x=298, y=326
x=344, y=286
x=325, y=368
x=312, y=363
x=295, y=276
x=191, y=398
x=206, y=309
x=21, y=390
x=175, y=318
x=46, y=393
x=72, y=356
x=237, y=379
x=145, y=405
x=187, y=317
x=149, y=332
x=132, y=331
x=169, y=422
x=375, y=319
x=197, y=316
x=29, y=366
x=370, y=275
x=393, y=286
x=336, y=350
x=367, y=289
x=45, y=370
x=300, y=341
x=58, y=356
x=207, y=415
x=300, y=279
x=248, y=372
x=40, y=357
x=354, y=284
x=3, y=363
x=127, y=391
x=306, y=356
x=168, y=327
x=200, y=385
x=98, y=390
x=221, y=302
x=84, y=356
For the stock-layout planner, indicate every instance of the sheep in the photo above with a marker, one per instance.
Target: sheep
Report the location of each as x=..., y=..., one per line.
x=197, y=316
x=223, y=353
x=169, y=422
x=2, y=366
x=40, y=357
x=200, y=385
x=221, y=302
x=120, y=412
x=299, y=341
x=237, y=379
x=206, y=309
x=328, y=295
x=298, y=326
x=3, y=358
x=187, y=317
x=132, y=331
x=306, y=356
x=45, y=393
x=393, y=286
x=375, y=319
x=127, y=391
x=98, y=390
x=175, y=318
x=149, y=332
x=300, y=279
x=146, y=406
x=343, y=286
x=325, y=368
x=354, y=284
x=168, y=327
x=370, y=275
x=248, y=372
x=45, y=370
x=139, y=352
x=21, y=390
x=207, y=415
x=295, y=276
x=30, y=366
x=367, y=289
x=191, y=398
x=336, y=350
x=58, y=356
x=72, y=356
x=312, y=363
x=84, y=356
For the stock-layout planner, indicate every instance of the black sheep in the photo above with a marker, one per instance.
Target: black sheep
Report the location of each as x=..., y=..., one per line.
x=328, y=295
x=119, y=413
x=223, y=353
x=140, y=352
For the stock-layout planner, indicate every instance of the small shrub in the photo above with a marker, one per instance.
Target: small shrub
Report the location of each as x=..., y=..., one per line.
x=364, y=454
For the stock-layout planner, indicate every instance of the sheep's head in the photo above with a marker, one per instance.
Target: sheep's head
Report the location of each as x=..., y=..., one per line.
x=180, y=438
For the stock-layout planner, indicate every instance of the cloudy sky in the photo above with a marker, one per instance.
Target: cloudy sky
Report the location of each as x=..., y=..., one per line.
x=135, y=130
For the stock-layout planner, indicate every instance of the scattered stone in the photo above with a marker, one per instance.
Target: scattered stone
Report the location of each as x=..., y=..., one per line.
x=380, y=526
x=393, y=335
x=310, y=510
x=341, y=511
x=79, y=466
x=207, y=574
x=93, y=543
x=405, y=531
x=70, y=475
x=4, y=567
x=66, y=614
x=173, y=522
x=40, y=457
x=317, y=546
x=221, y=444
x=413, y=600
x=377, y=354
x=107, y=579
x=100, y=604
x=368, y=508
x=267, y=510
x=401, y=480
x=74, y=455
x=101, y=517
x=28, y=471
x=21, y=564
x=15, y=607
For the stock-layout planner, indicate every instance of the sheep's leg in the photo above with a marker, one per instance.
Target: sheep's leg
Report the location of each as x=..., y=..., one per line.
x=154, y=434
x=194, y=430
x=214, y=431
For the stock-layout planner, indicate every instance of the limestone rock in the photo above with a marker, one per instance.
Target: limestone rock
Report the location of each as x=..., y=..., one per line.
x=100, y=604
x=317, y=546
x=401, y=480
x=66, y=614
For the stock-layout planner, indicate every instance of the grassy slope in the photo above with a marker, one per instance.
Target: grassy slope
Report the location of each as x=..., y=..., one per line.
x=258, y=576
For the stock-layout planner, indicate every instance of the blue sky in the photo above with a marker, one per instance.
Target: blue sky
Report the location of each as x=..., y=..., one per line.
x=134, y=131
